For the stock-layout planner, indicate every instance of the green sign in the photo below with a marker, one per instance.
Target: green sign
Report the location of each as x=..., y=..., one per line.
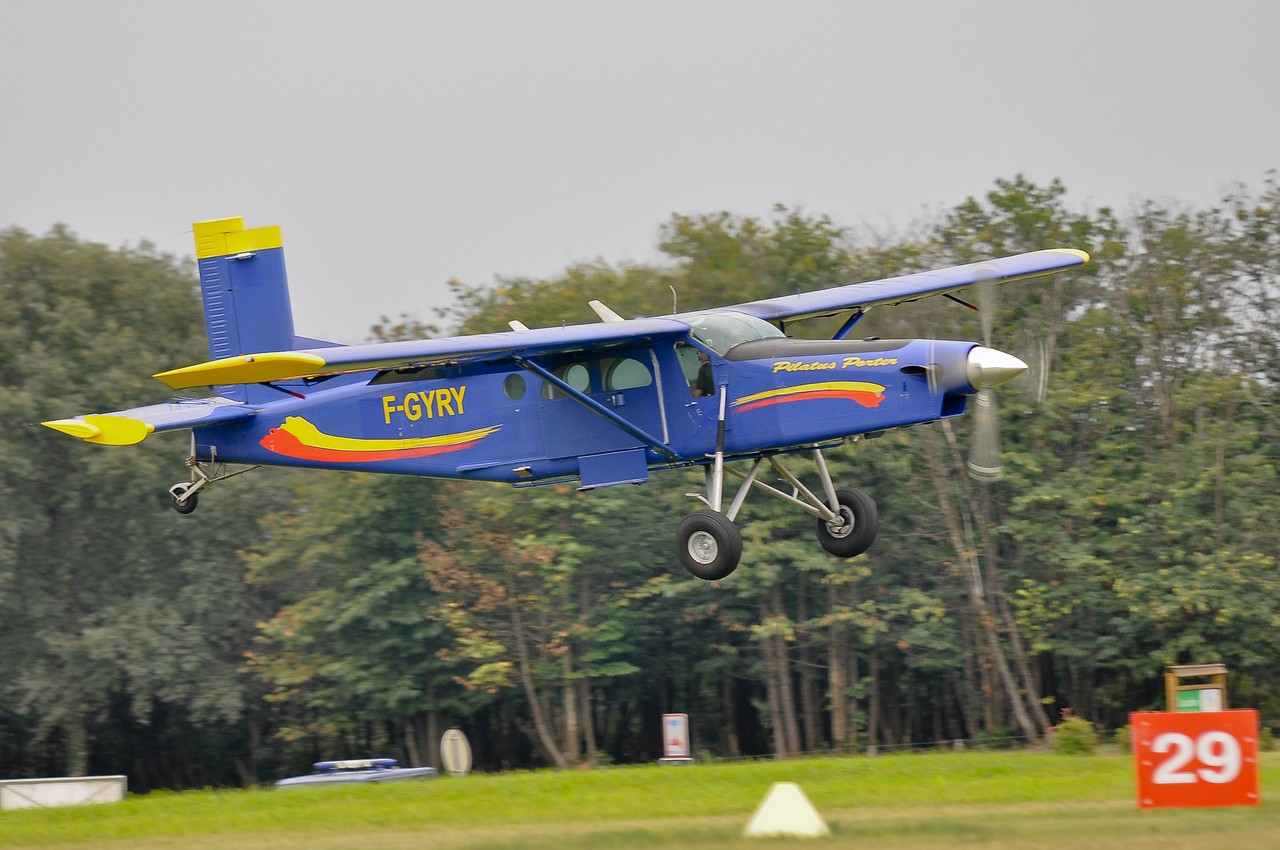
x=1204, y=699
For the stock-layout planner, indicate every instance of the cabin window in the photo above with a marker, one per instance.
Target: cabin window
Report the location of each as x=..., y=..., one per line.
x=514, y=386
x=625, y=373
x=573, y=374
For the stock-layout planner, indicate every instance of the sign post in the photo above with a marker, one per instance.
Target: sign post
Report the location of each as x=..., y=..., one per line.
x=675, y=740
x=1191, y=759
x=455, y=753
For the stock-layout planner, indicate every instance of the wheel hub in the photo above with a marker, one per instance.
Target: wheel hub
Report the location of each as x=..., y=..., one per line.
x=845, y=526
x=703, y=547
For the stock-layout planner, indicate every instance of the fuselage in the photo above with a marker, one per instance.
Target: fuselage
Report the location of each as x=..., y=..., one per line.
x=603, y=416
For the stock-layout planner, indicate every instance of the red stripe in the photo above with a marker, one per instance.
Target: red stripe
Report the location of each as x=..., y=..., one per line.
x=862, y=397
x=284, y=443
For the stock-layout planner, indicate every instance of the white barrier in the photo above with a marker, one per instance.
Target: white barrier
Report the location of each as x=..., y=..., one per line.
x=61, y=791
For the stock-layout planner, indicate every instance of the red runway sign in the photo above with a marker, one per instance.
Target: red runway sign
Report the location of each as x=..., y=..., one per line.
x=1191, y=759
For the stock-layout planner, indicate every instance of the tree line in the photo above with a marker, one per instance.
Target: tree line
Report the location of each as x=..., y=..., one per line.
x=303, y=614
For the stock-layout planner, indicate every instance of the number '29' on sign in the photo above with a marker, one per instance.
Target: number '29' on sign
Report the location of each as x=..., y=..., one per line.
x=1196, y=759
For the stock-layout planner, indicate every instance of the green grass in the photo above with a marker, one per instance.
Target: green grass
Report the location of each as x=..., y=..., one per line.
x=974, y=799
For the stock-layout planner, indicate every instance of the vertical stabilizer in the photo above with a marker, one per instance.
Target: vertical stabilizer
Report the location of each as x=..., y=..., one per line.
x=245, y=291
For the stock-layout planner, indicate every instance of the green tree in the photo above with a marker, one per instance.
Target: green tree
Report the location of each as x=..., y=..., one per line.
x=117, y=616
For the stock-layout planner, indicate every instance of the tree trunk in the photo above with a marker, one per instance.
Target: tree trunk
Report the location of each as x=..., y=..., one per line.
x=966, y=556
x=810, y=707
x=775, y=700
x=837, y=673
x=543, y=736
x=873, y=707
x=729, y=713
x=78, y=747
x=433, y=732
x=785, y=690
x=588, y=721
x=569, y=693
x=409, y=735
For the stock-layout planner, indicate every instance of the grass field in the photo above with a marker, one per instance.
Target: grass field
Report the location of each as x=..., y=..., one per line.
x=973, y=799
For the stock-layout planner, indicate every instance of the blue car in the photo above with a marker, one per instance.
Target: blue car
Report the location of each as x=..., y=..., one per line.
x=357, y=770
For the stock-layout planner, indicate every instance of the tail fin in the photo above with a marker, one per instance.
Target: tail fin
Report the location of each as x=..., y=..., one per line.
x=245, y=290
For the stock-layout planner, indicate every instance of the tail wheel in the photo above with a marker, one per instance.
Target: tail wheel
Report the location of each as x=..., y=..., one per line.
x=709, y=544
x=187, y=505
x=858, y=530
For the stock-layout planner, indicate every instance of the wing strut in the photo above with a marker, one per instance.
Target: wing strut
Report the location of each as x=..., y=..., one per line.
x=848, y=326
x=596, y=407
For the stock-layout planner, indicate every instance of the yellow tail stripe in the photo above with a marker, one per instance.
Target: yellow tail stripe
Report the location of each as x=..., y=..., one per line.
x=223, y=236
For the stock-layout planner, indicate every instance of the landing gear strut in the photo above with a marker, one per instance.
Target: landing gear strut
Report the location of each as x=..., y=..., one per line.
x=186, y=494
x=709, y=543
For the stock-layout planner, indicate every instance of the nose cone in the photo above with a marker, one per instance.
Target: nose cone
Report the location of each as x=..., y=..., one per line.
x=989, y=368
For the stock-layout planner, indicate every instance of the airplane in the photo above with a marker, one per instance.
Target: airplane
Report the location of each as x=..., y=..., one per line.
x=601, y=404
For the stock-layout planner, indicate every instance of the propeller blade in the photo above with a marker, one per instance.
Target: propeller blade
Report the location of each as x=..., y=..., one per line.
x=984, y=453
x=986, y=291
x=988, y=368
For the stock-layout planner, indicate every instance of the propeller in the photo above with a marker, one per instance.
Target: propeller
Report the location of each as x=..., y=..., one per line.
x=987, y=369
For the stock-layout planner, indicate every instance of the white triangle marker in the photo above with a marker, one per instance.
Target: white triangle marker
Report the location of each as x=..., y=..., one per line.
x=786, y=811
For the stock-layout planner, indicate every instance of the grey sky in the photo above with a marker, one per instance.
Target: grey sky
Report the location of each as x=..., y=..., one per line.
x=400, y=144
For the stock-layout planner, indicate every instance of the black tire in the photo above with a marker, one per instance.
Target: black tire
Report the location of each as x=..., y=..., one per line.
x=187, y=505
x=862, y=521
x=709, y=544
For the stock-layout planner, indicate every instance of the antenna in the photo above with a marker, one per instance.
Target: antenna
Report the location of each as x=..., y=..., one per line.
x=675, y=299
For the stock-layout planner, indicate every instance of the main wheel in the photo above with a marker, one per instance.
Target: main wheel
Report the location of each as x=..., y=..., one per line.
x=187, y=505
x=861, y=522
x=709, y=544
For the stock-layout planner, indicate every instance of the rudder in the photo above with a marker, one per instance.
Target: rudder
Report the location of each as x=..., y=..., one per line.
x=245, y=291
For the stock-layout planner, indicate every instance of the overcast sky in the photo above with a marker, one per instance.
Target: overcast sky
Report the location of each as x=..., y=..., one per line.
x=400, y=144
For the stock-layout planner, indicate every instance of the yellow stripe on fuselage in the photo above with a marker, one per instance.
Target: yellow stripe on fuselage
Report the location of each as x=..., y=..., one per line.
x=310, y=435
x=842, y=386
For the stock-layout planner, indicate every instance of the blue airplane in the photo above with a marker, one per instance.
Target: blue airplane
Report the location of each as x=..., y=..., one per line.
x=600, y=404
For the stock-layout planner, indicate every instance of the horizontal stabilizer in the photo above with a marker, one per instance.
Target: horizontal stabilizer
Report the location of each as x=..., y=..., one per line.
x=244, y=369
x=128, y=427
x=493, y=347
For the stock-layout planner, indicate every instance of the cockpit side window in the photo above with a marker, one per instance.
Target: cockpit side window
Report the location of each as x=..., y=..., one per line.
x=697, y=369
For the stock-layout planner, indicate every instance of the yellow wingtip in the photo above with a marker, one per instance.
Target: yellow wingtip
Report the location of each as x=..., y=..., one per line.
x=75, y=427
x=104, y=430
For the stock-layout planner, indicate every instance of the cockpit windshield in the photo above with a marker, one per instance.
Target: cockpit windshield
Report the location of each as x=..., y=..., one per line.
x=722, y=331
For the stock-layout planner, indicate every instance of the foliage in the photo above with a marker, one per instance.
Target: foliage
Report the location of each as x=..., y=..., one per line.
x=1124, y=738
x=121, y=623
x=342, y=614
x=1075, y=736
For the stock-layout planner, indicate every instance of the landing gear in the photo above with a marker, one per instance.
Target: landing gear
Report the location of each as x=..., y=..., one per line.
x=187, y=505
x=709, y=543
x=186, y=494
x=856, y=530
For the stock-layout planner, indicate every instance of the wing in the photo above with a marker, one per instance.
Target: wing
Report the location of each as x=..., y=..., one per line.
x=494, y=348
x=912, y=287
x=126, y=427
